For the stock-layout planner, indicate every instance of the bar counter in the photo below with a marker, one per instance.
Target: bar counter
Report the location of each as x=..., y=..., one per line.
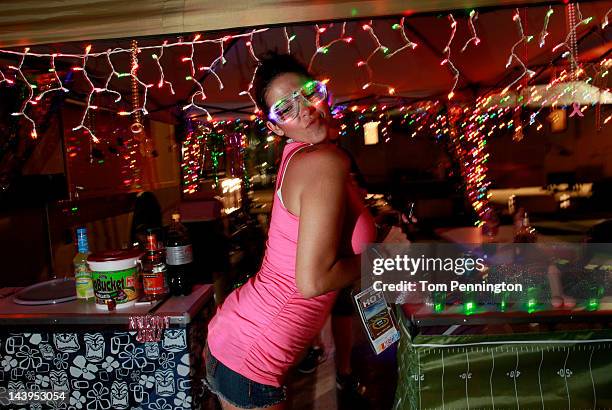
x=99, y=358
x=551, y=358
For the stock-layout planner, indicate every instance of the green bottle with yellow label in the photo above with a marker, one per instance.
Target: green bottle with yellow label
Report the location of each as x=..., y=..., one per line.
x=82, y=273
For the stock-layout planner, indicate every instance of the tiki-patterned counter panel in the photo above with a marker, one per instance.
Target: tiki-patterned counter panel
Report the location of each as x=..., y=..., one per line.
x=555, y=370
x=107, y=369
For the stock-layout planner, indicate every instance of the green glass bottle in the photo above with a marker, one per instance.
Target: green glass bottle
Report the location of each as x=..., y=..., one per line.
x=82, y=274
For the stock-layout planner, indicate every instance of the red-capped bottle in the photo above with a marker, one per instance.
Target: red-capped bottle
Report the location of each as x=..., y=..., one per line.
x=154, y=271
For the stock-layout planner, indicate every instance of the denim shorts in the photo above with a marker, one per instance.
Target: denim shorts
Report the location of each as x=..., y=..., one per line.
x=237, y=389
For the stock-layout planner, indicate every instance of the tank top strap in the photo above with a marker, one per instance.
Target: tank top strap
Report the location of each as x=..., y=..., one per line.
x=285, y=162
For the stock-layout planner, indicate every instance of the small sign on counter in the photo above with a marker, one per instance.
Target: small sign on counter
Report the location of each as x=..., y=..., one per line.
x=377, y=319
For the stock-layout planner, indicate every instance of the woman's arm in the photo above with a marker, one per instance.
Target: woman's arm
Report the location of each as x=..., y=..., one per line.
x=323, y=197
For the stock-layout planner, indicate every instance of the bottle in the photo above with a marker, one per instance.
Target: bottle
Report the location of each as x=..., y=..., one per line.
x=82, y=273
x=525, y=233
x=179, y=257
x=154, y=281
x=490, y=226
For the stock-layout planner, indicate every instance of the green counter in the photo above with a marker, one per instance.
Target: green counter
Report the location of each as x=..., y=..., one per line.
x=534, y=370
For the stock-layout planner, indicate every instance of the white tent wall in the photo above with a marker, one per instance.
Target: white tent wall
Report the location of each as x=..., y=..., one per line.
x=28, y=22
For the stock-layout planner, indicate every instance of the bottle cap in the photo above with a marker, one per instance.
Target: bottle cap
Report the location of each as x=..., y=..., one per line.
x=151, y=242
x=81, y=236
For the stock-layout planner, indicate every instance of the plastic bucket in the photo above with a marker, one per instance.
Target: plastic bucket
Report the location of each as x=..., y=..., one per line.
x=115, y=277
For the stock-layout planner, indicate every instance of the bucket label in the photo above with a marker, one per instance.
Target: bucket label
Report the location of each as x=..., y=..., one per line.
x=117, y=285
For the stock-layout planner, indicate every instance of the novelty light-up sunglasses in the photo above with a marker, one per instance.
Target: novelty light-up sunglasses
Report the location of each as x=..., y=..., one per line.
x=288, y=108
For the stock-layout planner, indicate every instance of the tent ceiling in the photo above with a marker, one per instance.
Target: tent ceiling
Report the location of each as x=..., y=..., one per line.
x=28, y=22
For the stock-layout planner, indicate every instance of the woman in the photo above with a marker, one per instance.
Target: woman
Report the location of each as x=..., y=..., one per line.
x=318, y=227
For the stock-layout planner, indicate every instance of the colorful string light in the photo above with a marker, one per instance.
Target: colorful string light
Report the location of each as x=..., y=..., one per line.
x=474, y=124
x=191, y=160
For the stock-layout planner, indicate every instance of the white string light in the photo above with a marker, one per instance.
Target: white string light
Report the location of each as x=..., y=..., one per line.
x=129, y=50
x=90, y=94
x=570, y=38
x=605, y=22
x=474, y=38
x=162, y=80
x=114, y=73
x=200, y=89
x=3, y=79
x=249, y=45
x=289, y=39
x=61, y=85
x=41, y=95
x=514, y=57
x=409, y=44
x=366, y=63
x=447, y=59
x=213, y=67
x=221, y=58
x=544, y=33
x=319, y=49
x=28, y=100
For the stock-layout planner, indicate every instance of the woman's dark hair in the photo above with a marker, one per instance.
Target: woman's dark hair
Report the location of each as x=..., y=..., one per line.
x=147, y=214
x=271, y=65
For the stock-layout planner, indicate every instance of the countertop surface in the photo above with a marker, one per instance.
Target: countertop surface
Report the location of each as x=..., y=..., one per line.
x=179, y=309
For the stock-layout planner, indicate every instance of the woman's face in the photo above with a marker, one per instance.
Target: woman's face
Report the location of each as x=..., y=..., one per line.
x=312, y=123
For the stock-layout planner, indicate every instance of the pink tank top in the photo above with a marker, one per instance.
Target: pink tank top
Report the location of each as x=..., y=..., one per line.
x=263, y=326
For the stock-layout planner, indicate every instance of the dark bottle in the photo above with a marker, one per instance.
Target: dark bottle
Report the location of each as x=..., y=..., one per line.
x=524, y=232
x=154, y=281
x=179, y=258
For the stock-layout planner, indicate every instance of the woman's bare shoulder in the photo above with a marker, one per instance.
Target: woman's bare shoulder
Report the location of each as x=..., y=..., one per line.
x=323, y=158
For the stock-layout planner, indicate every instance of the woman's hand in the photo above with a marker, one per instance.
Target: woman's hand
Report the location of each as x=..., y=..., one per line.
x=395, y=235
